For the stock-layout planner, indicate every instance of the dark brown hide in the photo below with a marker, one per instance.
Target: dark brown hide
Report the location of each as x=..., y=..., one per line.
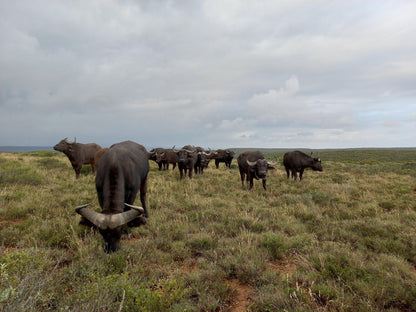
x=169, y=157
x=155, y=155
x=253, y=165
x=121, y=173
x=297, y=161
x=78, y=154
x=187, y=157
x=97, y=157
x=225, y=156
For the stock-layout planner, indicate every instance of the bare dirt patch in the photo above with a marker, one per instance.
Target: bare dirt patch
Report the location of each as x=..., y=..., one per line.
x=286, y=267
x=242, y=297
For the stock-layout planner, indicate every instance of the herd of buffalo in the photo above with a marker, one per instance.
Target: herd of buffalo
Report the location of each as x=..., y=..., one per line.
x=122, y=169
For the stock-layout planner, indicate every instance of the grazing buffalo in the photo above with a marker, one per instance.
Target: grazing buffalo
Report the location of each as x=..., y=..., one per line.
x=121, y=173
x=97, y=157
x=169, y=157
x=253, y=164
x=225, y=156
x=155, y=155
x=78, y=154
x=187, y=157
x=297, y=161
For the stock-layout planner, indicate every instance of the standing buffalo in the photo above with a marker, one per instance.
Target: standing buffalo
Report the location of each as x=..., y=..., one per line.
x=169, y=156
x=202, y=162
x=79, y=154
x=253, y=164
x=225, y=156
x=187, y=157
x=297, y=161
x=121, y=173
x=155, y=155
x=97, y=157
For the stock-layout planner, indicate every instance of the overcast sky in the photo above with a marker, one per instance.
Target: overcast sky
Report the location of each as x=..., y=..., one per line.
x=313, y=74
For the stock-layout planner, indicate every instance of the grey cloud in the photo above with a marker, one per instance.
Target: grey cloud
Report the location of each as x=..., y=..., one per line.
x=239, y=73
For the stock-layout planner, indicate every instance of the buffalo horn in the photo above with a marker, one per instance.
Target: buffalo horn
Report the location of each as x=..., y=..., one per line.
x=140, y=209
x=96, y=218
x=273, y=164
x=119, y=219
x=251, y=163
x=107, y=221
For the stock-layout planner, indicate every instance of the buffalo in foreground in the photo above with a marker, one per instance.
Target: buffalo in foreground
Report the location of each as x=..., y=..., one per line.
x=78, y=154
x=253, y=165
x=121, y=173
x=297, y=161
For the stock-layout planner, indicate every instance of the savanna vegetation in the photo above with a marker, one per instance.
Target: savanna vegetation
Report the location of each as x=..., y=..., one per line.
x=341, y=240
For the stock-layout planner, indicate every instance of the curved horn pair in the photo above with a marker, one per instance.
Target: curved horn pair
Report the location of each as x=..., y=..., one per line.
x=109, y=221
x=253, y=163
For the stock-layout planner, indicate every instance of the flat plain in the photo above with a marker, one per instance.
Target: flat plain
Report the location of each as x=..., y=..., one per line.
x=340, y=240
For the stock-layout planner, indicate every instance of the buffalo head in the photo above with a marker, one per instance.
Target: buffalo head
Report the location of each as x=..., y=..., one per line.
x=317, y=164
x=260, y=167
x=110, y=225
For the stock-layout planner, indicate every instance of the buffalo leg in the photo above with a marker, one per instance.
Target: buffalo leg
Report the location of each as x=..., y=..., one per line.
x=251, y=182
x=77, y=171
x=287, y=172
x=300, y=174
x=242, y=177
x=143, y=190
x=264, y=184
x=217, y=163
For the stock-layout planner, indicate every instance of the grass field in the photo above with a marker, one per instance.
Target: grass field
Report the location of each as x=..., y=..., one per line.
x=341, y=240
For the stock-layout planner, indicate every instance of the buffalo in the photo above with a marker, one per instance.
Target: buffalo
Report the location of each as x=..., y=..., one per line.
x=202, y=162
x=169, y=156
x=253, y=164
x=297, y=161
x=122, y=171
x=187, y=157
x=97, y=157
x=78, y=154
x=225, y=156
x=155, y=155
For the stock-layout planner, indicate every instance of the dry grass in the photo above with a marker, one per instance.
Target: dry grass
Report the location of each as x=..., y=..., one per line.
x=342, y=239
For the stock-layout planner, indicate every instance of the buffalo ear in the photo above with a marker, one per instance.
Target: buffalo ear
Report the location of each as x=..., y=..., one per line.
x=270, y=167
